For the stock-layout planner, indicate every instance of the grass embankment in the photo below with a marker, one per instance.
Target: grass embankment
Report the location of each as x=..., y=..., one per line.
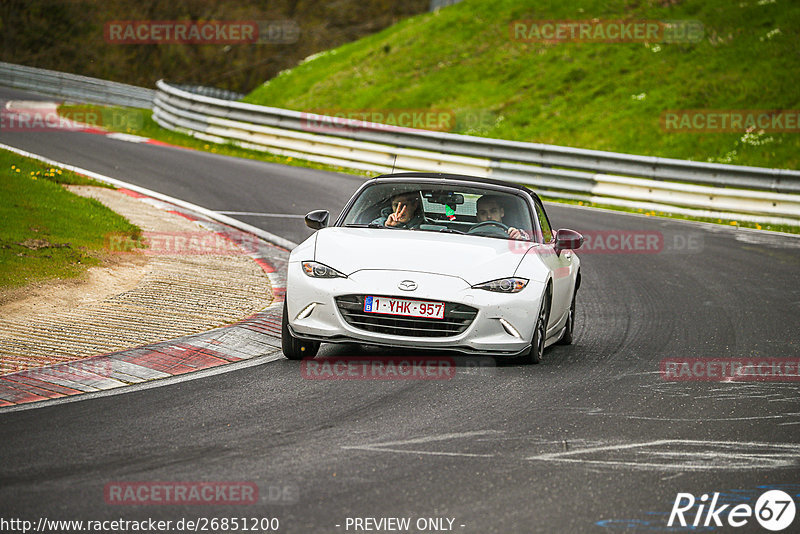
x=605, y=96
x=46, y=231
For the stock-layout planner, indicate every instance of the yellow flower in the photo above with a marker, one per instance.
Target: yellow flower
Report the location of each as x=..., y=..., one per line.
x=758, y=226
x=734, y=223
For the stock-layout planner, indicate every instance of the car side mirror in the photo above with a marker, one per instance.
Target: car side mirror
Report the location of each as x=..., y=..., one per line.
x=317, y=219
x=567, y=239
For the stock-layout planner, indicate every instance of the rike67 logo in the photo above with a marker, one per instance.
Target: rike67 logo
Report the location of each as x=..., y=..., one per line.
x=774, y=510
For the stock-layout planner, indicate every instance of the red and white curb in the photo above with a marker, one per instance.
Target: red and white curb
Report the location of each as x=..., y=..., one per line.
x=251, y=338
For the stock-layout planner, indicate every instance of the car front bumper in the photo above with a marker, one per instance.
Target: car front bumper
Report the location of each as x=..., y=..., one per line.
x=503, y=325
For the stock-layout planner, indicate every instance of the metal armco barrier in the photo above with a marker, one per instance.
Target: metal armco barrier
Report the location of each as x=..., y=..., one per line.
x=74, y=87
x=686, y=187
x=214, y=92
x=638, y=182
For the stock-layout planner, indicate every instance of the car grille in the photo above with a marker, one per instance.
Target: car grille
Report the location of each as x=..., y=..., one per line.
x=457, y=317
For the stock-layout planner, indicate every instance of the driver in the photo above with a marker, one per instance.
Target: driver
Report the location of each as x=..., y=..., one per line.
x=489, y=209
x=404, y=213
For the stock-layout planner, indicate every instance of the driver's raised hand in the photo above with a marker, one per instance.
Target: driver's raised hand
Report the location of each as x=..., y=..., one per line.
x=513, y=233
x=399, y=213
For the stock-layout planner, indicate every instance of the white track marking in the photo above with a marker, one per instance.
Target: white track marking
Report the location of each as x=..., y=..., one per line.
x=128, y=137
x=776, y=455
x=24, y=105
x=429, y=453
x=258, y=214
x=389, y=445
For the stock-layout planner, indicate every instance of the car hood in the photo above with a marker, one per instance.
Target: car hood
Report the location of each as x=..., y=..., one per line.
x=472, y=258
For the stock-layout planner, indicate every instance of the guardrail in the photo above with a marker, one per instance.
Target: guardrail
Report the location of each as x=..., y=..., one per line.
x=73, y=86
x=650, y=183
x=213, y=92
x=661, y=184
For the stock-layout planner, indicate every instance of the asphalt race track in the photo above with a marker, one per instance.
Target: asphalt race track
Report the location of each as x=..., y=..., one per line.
x=592, y=439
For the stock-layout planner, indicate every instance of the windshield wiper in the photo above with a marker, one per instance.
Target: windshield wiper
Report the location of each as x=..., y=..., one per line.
x=438, y=230
x=370, y=225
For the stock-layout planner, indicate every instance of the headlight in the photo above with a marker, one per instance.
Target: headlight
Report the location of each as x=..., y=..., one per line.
x=314, y=269
x=504, y=285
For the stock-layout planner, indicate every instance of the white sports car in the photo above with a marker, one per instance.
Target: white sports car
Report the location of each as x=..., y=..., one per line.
x=422, y=260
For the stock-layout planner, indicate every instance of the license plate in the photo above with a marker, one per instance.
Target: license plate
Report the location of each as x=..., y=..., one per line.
x=409, y=308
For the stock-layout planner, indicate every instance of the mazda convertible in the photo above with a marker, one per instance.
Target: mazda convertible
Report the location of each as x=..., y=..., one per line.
x=434, y=261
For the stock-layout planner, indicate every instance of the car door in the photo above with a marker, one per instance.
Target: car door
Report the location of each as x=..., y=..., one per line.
x=562, y=266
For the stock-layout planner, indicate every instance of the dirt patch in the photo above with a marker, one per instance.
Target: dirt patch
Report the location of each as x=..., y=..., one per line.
x=37, y=244
x=133, y=298
x=116, y=275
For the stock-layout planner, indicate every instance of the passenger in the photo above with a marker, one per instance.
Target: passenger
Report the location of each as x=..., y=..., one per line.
x=489, y=209
x=404, y=213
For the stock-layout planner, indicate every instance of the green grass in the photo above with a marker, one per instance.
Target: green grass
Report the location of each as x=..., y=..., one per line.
x=605, y=96
x=45, y=231
x=140, y=122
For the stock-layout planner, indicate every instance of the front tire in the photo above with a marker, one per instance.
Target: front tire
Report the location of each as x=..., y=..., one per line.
x=536, y=352
x=566, y=339
x=293, y=348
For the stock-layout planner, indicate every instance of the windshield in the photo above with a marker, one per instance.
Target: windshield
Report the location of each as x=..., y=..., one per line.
x=445, y=208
